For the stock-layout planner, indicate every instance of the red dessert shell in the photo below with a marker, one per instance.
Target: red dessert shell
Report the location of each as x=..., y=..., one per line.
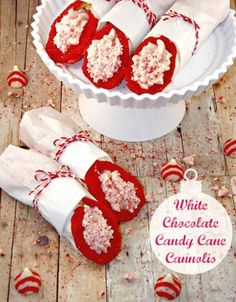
x=94, y=186
x=119, y=75
x=134, y=86
x=78, y=229
x=75, y=52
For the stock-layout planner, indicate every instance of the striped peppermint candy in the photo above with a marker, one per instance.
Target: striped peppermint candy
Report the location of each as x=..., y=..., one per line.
x=230, y=147
x=172, y=171
x=168, y=287
x=17, y=78
x=27, y=282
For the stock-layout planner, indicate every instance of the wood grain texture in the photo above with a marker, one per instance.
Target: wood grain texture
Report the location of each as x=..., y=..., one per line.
x=201, y=132
x=67, y=276
x=225, y=271
x=28, y=225
x=9, y=121
x=227, y=112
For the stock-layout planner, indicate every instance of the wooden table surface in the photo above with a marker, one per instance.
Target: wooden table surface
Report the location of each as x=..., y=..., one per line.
x=66, y=275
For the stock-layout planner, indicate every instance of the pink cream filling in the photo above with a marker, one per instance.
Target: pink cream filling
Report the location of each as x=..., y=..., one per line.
x=150, y=64
x=97, y=233
x=104, y=57
x=70, y=28
x=120, y=194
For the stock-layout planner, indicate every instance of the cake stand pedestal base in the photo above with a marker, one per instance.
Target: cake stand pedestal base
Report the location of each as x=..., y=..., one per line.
x=131, y=124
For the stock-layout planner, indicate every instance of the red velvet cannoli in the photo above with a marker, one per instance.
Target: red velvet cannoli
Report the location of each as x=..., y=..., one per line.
x=100, y=243
x=40, y=182
x=109, y=183
x=124, y=27
x=71, y=32
x=142, y=71
x=121, y=191
x=118, y=56
x=172, y=42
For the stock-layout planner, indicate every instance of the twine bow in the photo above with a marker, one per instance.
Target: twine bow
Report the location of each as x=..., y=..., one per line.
x=44, y=178
x=173, y=14
x=151, y=16
x=63, y=142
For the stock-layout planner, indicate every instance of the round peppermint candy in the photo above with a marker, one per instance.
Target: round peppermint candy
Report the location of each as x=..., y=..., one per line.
x=172, y=171
x=17, y=78
x=230, y=147
x=27, y=282
x=168, y=287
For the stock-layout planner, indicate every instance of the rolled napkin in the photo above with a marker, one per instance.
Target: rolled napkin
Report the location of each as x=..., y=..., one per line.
x=122, y=29
x=172, y=42
x=40, y=182
x=73, y=29
x=51, y=133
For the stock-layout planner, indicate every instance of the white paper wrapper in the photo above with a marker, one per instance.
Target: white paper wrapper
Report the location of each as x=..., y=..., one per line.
x=57, y=201
x=207, y=14
x=39, y=129
x=101, y=7
x=132, y=20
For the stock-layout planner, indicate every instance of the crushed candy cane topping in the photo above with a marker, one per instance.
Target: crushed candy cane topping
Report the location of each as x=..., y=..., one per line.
x=104, y=57
x=70, y=28
x=150, y=64
x=97, y=233
x=120, y=194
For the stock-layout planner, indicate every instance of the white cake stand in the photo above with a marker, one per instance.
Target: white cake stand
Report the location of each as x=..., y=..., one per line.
x=123, y=115
x=131, y=124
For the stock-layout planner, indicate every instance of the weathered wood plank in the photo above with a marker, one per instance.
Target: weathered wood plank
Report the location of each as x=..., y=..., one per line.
x=77, y=277
x=9, y=120
x=126, y=154
x=44, y=260
x=232, y=4
x=233, y=186
x=28, y=225
x=225, y=88
x=200, y=133
x=39, y=75
x=218, y=284
x=157, y=152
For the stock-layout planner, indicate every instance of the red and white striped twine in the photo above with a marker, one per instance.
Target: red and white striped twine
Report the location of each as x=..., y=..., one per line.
x=151, y=16
x=63, y=142
x=172, y=14
x=44, y=178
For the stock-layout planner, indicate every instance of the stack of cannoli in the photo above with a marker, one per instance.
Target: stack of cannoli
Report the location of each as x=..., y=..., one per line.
x=40, y=182
x=71, y=182
x=72, y=30
x=55, y=135
x=172, y=42
x=144, y=41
